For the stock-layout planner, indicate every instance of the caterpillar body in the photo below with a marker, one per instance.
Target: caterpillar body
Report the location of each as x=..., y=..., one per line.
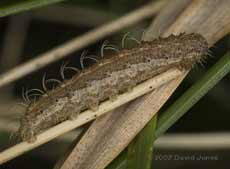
x=110, y=77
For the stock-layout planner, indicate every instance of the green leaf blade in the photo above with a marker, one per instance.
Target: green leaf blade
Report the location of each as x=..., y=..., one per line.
x=193, y=95
x=140, y=151
x=14, y=6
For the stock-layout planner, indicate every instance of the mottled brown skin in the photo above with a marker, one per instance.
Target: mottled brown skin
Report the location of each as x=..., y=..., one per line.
x=110, y=77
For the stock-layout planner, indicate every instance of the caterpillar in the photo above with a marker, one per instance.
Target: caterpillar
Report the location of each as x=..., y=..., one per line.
x=110, y=77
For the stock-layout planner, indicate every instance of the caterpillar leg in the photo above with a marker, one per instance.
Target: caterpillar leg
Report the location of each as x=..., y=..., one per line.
x=73, y=116
x=130, y=86
x=113, y=94
x=32, y=139
x=93, y=104
x=75, y=111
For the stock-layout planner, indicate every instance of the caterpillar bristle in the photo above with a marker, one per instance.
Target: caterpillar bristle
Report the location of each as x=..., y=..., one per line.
x=83, y=54
x=28, y=95
x=22, y=104
x=84, y=57
x=128, y=37
x=91, y=57
x=34, y=90
x=73, y=68
x=123, y=40
x=107, y=46
x=111, y=48
x=44, y=83
x=24, y=96
x=53, y=80
x=62, y=70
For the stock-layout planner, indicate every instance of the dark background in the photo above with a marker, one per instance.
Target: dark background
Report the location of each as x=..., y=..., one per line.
x=209, y=115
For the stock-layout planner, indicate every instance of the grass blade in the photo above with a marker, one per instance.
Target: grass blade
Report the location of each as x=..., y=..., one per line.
x=193, y=95
x=119, y=162
x=14, y=6
x=140, y=151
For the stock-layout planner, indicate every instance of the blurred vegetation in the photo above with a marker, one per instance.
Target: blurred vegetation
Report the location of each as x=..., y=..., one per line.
x=201, y=118
x=8, y=7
